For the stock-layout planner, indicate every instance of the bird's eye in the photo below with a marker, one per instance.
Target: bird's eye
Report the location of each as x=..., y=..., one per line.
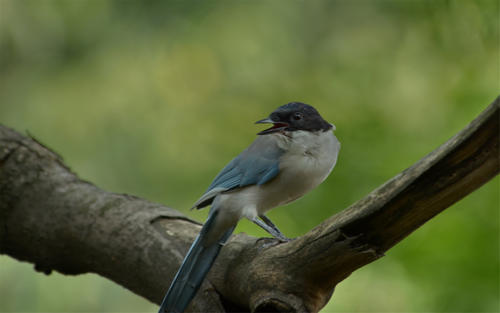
x=297, y=116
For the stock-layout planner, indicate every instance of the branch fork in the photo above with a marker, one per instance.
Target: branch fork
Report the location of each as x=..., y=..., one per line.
x=50, y=217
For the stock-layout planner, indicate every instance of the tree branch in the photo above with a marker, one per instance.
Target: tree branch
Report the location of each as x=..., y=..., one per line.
x=49, y=217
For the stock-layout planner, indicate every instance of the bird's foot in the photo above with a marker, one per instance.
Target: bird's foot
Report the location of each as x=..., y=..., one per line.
x=267, y=242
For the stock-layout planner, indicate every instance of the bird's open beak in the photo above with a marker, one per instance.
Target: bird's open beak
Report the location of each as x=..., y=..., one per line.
x=277, y=126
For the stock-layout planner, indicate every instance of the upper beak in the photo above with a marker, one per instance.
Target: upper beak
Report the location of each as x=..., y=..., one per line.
x=265, y=121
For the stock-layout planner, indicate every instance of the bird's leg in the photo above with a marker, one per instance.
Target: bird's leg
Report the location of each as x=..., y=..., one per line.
x=268, y=226
x=271, y=224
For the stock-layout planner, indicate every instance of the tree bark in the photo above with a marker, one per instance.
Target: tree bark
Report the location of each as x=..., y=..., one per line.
x=50, y=217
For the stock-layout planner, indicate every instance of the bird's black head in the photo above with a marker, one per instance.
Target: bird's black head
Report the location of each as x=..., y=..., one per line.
x=295, y=116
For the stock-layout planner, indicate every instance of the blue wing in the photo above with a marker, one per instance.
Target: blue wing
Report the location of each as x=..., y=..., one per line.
x=257, y=165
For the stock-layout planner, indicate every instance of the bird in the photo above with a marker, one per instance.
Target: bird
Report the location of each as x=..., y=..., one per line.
x=282, y=164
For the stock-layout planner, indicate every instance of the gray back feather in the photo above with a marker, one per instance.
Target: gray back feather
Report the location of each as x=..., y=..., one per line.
x=256, y=165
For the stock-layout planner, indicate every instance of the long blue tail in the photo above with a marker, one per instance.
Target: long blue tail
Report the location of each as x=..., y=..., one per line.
x=193, y=270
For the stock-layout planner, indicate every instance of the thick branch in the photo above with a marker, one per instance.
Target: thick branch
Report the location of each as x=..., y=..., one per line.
x=49, y=217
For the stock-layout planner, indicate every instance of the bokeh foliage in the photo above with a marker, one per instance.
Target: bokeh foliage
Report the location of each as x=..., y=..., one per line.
x=152, y=98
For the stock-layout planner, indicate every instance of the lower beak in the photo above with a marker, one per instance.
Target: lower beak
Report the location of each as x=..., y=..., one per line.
x=277, y=126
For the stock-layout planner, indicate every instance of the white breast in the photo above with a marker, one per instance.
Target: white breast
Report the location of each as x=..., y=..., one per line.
x=309, y=159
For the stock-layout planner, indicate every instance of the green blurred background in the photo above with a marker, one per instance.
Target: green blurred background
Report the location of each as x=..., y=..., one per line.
x=152, y=98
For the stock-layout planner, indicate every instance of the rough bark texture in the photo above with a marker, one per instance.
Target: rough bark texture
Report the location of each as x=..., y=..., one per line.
x=50, y=217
